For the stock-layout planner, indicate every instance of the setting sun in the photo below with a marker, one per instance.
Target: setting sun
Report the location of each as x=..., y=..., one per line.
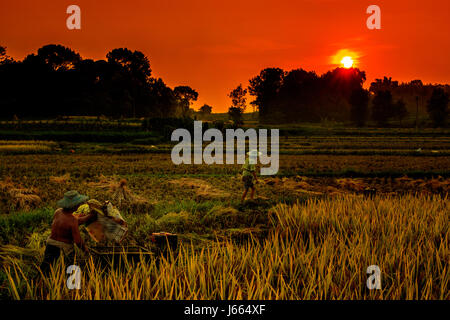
x=346, y=58
x=347, y=62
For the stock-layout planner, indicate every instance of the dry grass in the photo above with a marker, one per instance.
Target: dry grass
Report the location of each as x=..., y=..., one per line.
x=6, y=184
x=334, y=187
x=26, y=146
x=22, y=199
x=60, y=179
x=434, y=185
x=301, y=186
x=202, y=189
x=316, y=250
x=104, y=183
x=120, y=195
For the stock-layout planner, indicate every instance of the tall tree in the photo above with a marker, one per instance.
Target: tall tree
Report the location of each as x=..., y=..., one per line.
x=134, y=63
x=205, y=109
x=297, y=96
x=58, y=57
x=437, y=107
x=265, y=88
x=131, y=80
x=50, y=80
x=162, y=99
x=382, y=107
x=337, y=86
x=238, y=99
x=399, y=111
x=383, y=85
x=185, y=96
x=342, y=82
x=4, y=58
x=238, y=104
x=57, y=81
x=236, y=115
x=359, y=105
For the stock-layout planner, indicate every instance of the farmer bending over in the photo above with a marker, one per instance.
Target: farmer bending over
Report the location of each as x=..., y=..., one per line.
x=65, y=230
x=249, y=173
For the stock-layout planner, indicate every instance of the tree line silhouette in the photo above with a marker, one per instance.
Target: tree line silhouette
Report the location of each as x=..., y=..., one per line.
x=56, y=81
x=303, y=96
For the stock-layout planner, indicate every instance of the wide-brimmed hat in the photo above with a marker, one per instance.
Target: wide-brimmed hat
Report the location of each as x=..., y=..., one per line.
x=254, y=153
x=71, y=200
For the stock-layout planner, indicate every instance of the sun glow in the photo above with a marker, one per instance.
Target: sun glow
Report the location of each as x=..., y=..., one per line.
x=347, y=62
x=346, y=58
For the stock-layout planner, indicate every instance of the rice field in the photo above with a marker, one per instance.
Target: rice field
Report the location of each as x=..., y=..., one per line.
x=17, y=147
x=319, y=249
x=311, y=233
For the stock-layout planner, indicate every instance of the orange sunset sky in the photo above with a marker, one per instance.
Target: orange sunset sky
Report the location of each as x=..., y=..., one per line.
x=214, y=45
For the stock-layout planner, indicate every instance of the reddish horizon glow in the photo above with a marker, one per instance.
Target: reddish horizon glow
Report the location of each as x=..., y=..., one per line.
x=213, y=46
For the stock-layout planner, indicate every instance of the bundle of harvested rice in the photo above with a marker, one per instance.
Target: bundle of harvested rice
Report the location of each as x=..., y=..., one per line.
x=121, y=195
x=6, y=184
x=404, y=179
x=103, y=183
x=24, y=199
x=297, y=185
x=21, y=198
x=201, y=188
x=60, y=179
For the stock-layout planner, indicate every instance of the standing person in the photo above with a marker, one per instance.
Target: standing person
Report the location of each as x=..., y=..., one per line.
x=249, y=173
x=65, y=230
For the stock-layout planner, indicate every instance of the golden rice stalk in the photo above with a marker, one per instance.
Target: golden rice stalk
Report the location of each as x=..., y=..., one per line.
x=60, y=179
x=351, y=184
x=21, y=198
x=121, y=195
x=24, y=199
x=10, y=253
x=6, y=184
x=103, y=183
x=201, y=188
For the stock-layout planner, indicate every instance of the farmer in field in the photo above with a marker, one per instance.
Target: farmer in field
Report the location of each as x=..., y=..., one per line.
x=65, y=230
x=249, y=173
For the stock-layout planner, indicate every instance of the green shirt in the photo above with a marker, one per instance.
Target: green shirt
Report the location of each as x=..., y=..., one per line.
x=248, y=168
